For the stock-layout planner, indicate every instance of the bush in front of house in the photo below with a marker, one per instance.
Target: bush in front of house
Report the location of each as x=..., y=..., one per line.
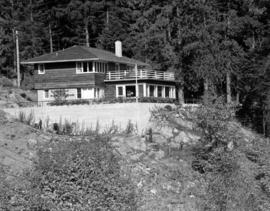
x=157, y=100
x=70, y=102
x=112, y=100
x=5, y=82
x=74, y=175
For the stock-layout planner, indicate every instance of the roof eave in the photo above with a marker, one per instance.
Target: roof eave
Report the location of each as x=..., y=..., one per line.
x=80, y=60
x=54, y=61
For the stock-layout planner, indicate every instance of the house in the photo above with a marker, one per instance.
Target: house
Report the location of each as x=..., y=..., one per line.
x=82, y=72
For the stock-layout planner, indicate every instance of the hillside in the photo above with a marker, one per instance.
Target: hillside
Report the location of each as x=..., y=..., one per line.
x=12, y=97
x=164, y=169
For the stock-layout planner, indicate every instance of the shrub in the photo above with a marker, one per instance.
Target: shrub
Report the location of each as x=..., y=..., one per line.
x=5, y=82
x=221, y=158
x=30, y=118
x=78, y=175
x=168, y=107
x=23, y=95
x=60, y=96
x=131, y=128
x=69, y=102
x=21, y=116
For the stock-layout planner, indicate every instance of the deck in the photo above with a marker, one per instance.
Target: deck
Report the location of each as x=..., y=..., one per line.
x=141, y=74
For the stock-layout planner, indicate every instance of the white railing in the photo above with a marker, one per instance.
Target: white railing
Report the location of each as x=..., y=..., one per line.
x=141, y=74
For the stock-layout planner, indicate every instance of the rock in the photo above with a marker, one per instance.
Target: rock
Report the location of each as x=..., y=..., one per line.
x=184, y=137
x=175, y=131
x=160, y=139
x=31, y=155
x=153, y=191
x=136, y=157
x=136, y=143
x=230, y=146
x=174, y=144
x=140, y=184
x=31, y=143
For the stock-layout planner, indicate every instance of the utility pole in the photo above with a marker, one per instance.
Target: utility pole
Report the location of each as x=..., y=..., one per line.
x=136, y=88
x=18, y=59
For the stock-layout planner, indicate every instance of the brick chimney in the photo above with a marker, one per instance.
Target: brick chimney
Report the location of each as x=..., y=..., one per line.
x=118, y=48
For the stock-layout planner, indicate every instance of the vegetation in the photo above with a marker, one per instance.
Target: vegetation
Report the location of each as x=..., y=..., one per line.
x=66, y=127
x=233, y=163
x=235, y=169
x=71, y=175
x=60, y=102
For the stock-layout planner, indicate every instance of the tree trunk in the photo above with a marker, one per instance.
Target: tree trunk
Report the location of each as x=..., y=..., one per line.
x=86, y=35
x=31, y=11
x=237, y=98
x=253, y=40
x=107, y=17
x=51, y=39
x=228, y=87
x=206, y=90
x=181, y=99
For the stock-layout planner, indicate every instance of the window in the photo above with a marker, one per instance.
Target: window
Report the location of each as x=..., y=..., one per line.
x=100, y=67
x=120, y=91
x=79, y=93
x=41, y=69
x=117, y=66
x=151, y=91
x=131, y=91
x=167, y=91
x=84, y=67
x=90, y=66
x=46, y=94
x=159, y=91
x=79, y=67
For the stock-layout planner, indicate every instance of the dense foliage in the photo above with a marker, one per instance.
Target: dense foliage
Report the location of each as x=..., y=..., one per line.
x=235, y=167
x=75, y=175
x=212, y=45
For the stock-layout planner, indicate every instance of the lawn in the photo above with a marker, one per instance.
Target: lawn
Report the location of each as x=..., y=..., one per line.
x=89, y=115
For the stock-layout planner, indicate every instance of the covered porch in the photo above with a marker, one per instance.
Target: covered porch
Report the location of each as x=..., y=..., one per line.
x=139, y=90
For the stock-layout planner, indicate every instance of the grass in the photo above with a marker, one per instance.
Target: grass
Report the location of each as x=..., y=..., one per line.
x=67, y=127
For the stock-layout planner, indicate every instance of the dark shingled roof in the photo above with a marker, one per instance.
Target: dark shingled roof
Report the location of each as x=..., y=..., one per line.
x=81, y=53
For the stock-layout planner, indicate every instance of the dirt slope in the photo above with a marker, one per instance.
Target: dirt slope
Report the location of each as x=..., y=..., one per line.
x=17, y=143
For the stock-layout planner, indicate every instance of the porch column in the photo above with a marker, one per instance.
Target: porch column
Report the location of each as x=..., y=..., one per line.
x=163, y=91
x=155, y=91
x=93, y=67
x=144, y=90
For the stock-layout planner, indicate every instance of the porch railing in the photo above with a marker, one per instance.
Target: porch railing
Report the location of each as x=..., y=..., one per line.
x=141, y=74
